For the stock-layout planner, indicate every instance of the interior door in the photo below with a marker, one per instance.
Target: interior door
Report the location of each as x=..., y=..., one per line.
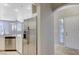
x=71, y=29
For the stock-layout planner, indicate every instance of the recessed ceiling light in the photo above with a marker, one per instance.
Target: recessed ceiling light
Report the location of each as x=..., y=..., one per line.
x=6, y=4
x=16, y=10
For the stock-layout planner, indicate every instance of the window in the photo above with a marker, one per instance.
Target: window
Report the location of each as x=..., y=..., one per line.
x=7, y=27
x=13, y=26
x=1, y=28
x=19, y=27
x=61, y=31
x=10, y=28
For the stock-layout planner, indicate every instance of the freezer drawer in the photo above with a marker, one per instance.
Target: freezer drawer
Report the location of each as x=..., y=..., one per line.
x=10, y=43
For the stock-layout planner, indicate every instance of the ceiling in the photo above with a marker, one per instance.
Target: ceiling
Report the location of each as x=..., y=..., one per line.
x=56, y=5
x=68, y=10
x=15, y=11
x=20, y=11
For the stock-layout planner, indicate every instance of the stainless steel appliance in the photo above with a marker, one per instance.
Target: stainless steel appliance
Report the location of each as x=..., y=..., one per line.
x=10, y=43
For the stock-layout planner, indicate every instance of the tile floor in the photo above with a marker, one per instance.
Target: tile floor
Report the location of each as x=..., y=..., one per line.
x=9, y=53
x=61, y=50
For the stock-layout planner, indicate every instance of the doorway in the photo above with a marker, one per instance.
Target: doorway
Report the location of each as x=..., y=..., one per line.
x=61, y=31
x=68, y=39
x=68, y=36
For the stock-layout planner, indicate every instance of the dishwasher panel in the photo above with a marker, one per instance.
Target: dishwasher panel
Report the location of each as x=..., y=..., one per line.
x=10, y=43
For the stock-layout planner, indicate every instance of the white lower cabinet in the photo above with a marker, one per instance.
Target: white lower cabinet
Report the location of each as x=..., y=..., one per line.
x=19, y=44
x=2, y=43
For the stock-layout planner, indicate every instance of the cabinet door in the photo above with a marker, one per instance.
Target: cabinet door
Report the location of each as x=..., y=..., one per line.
x=2, y=44
x=71, y=25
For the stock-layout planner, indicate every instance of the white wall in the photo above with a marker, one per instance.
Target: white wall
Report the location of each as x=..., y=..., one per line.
x=45, y=29
x=56, y=29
